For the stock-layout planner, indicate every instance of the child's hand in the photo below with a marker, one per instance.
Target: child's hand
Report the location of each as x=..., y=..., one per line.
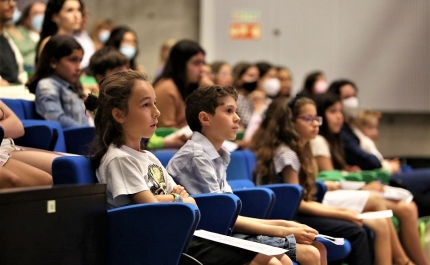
x=374, y=185
x=304, y=235
x=395, y=165
x=178, y=189
x=351, y=216
x=332, y=185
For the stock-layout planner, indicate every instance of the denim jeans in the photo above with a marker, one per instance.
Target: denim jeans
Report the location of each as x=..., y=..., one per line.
x=288, y=243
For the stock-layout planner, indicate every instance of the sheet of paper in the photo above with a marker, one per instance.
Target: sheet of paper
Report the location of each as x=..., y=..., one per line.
x=352, y=185
x=240, y=243
x=335, y=240
x=397, y=194
x=376, y=215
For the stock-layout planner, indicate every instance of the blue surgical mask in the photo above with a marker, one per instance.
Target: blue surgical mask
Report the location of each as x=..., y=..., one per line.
x=128, y=51
x=15, y=18
x=37, y=22
x=104, y=36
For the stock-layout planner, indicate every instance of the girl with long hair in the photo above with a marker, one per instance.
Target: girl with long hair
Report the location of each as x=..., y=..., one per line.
x=182, y=74
x=126, y=112
x=56, y=83
x=61, y=17
x=284, y=155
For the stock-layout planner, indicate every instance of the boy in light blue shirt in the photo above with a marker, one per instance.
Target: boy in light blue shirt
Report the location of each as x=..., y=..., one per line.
x=200, y=166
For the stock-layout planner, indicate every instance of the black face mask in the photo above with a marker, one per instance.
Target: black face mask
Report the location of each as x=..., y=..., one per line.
x=250, y=86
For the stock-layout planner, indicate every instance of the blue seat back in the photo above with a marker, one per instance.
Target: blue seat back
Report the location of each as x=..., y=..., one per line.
x=256, y=202
x=164, y=155
x=238, y=167
x=321, y=190
x=288, y=198
x=78, y=139
x=38, y=136
x=30, y=110
x=16, y=106
x=73, y=170
x=153, y=233
x=218, y=212
x=241, y=184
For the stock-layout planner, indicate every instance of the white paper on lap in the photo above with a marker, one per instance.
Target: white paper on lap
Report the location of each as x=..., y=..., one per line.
x=335, y=240
x=240, y=243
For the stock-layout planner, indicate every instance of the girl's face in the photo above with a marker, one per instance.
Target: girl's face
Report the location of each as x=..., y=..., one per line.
x=224, y=77
x=69, y=67
x=347, y=91
x=129, y=39
x=195, y=68
x=140, y=121
x=306, y=123
x=69, y=18
x=251, y=75
x=334, y=117
x=371, y=129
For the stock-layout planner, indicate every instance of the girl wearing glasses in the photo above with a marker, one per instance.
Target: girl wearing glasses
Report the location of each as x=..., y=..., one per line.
x=328, y=151
x=283, y=152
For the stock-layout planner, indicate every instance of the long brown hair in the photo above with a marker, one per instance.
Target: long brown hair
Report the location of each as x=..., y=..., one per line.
x=278, y=128
x=308, y=169
x=115, y=91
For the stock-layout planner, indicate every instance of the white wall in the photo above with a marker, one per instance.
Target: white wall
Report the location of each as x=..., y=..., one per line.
x=384, y=45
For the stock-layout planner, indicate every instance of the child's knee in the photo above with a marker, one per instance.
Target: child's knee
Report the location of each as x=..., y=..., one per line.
x=308, y=254
x=407, y=209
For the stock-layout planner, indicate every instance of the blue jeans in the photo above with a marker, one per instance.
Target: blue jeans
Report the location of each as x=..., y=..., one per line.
x=288, y=243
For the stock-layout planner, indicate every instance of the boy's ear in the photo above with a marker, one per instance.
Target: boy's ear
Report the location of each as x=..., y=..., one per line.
x=118, y=115
x=204, y=118
x=53, y=64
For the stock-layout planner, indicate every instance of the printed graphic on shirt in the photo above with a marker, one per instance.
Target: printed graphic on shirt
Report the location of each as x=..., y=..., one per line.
x=156, y=177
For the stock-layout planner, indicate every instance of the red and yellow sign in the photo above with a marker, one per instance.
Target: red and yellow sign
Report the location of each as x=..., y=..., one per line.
x=245, y=31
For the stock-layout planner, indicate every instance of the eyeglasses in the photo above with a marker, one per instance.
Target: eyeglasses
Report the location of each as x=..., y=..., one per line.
x=309, y=119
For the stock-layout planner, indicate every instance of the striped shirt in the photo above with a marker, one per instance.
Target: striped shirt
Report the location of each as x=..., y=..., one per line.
x=284, y=157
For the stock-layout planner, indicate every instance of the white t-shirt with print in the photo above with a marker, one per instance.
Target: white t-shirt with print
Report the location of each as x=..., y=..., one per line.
x=127, y=171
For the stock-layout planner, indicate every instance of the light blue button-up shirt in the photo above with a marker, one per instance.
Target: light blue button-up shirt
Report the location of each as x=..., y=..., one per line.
x=56, y=101
x=199, y=167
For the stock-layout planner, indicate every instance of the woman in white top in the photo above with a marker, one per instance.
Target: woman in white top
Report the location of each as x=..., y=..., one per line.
x=328, y=151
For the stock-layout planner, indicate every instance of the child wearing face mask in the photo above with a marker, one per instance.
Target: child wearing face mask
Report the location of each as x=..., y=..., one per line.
x=125, y=40
x=245, y=76
x=101, y=32
x=24, y=30
x=315, y=83
x=417, y=181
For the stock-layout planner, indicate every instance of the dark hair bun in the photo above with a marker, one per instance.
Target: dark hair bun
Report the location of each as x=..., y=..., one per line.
x=91, y=102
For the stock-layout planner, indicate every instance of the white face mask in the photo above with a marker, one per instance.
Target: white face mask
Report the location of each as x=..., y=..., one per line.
x=272, y=86
x=320, y=87
x=350, y=107
x=104, y=36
